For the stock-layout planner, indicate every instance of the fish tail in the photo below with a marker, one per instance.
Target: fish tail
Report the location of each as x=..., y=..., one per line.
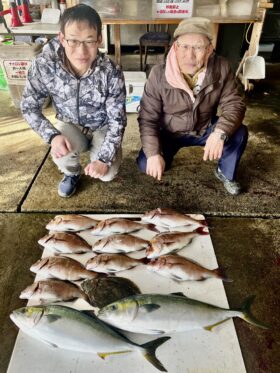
x=248, y=316
x=203, y=222
x=220, y=273
x=145, y=260
x=152, y=227
x=200, y=230
x=149, y=352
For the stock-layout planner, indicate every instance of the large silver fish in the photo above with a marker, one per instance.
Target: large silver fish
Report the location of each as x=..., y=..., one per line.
x=179, y=268
x=65, y=243
x=119, y=225
x=61, y=268
x=169, y=218
x=120, y=243
x=158, y=314
x=47, y=291
x=73, y=330
x=112, y=263
x=71, y=223
x=171, y=242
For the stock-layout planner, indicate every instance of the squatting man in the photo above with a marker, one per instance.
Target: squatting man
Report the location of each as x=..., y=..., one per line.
x=88, y=93
x=179, y=107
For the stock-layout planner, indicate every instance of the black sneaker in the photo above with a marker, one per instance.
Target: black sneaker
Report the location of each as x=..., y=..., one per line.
x=67, y=186
x=233, y=187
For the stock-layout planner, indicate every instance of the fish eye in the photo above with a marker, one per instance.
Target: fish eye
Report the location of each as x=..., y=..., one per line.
x=114, y=307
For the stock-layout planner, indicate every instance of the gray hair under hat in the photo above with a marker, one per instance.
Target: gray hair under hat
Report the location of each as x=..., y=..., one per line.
x=195, y=25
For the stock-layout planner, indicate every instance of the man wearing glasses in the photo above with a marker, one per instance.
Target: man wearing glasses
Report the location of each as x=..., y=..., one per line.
x=88, y=93
x=179, y=107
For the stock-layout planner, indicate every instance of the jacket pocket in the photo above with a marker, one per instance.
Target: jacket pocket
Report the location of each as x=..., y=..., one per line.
x=180, y=123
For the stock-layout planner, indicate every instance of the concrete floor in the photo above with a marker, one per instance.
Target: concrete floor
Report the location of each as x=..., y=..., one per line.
x=248, y=248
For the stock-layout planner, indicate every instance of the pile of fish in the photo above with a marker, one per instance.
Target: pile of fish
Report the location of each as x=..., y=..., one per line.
x=77, y=269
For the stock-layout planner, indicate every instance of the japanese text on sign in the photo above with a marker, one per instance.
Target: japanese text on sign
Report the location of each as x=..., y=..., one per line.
x=16, y=70
x=171, y=9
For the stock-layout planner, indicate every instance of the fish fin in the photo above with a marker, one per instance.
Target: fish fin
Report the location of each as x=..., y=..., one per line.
x=149, y=350
x=52, y=318
x=150, y=307
x=180, y=294
x=200, y=230
x=156, y=331
x=89, y=313
x=247, y=315
x=151, y=227
x=176, y=278
x=105, y=354
x=50, y=344
x=210, y=327
x=219, y=273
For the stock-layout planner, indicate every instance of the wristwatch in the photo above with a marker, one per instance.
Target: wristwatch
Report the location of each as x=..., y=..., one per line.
x=223, y=136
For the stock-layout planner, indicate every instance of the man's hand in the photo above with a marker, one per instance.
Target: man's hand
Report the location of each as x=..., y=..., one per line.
x=96, y=169
x=155, y=166
x=60, y=146
x=214, y=146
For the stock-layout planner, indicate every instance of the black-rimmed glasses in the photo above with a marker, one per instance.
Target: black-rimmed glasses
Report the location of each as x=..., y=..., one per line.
x=72, y=43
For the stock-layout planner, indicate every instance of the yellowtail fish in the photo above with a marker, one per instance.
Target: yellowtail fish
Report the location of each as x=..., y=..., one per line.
x=120, y=243
x=169, y=218
x=179, y=268
x=71, y=223
x=119, y=225
x=61, y=268
x=171, y=242
x=65, y=243
x=112, y=263
x=159, y=314
x=48, y=291
x=73, y=330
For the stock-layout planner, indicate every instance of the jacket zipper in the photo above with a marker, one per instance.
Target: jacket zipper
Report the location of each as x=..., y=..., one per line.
x=78, y=96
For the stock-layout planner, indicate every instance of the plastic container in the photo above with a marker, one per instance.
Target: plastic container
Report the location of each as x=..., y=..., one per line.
x=15, y=61
x=134, y=83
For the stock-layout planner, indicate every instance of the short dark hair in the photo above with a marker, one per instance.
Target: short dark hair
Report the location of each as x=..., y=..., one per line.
x=81, y=13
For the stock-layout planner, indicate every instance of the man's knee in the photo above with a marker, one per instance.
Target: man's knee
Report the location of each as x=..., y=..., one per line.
x=240, y=137
x=110, y=176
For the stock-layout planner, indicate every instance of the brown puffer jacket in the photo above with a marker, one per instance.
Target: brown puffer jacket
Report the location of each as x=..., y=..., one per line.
x=165, y=107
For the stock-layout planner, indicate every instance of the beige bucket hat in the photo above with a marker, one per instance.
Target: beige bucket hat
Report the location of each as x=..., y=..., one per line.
x=195, y=25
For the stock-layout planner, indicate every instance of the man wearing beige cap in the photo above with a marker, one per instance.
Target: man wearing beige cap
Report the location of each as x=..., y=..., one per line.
x=179, y=107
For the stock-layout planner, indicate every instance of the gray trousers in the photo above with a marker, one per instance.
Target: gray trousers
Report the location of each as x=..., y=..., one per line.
x=70, y=163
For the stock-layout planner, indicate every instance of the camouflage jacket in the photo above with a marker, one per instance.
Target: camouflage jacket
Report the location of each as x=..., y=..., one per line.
x=94, y=100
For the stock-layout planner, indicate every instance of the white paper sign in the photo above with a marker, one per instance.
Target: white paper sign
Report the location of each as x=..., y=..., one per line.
x=173, y=8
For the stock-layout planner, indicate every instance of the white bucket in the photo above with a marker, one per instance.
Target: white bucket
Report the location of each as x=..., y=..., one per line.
x=254, y=68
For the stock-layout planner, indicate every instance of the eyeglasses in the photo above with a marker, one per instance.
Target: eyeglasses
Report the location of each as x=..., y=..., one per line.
x=72, y=43
x=194, y=48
